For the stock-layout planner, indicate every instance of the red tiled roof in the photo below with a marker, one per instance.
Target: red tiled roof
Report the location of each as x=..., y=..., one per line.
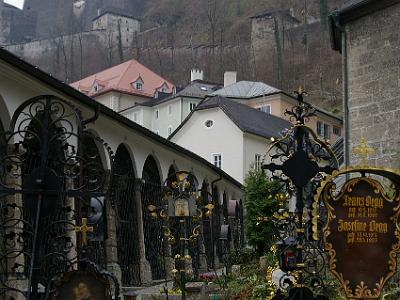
x=121, y=78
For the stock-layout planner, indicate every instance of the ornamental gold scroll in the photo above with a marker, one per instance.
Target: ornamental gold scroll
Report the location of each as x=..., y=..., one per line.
x=361, y=236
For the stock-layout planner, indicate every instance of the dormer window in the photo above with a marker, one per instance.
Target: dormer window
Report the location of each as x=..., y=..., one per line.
x=96, y=87
x=163, y=88
x=138, y=84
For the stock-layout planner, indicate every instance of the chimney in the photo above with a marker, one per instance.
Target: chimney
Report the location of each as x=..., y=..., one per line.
x=229, y=78
x=196, y=74
x=291, y=11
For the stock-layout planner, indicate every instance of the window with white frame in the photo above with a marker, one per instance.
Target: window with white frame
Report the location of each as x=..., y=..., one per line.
x=209, y=123
x=156, y=114
x=265, y=108
x=319, y=128
x=257, y=162
x=336, y=130
x=217, y=159
x=169, y=109
x=139, y=86
x=323, y=130
x=169, y=130
x=327, y=131
x=192, y=106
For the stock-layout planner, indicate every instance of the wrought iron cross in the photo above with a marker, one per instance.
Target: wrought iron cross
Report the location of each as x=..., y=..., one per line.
x=363, y=151
x=84, y=229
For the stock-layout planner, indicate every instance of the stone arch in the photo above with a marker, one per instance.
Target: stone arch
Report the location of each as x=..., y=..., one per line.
x=153, y=159
x=126, y=220
x=171, y=174
x=95, y=137
x=5, y=116
x=93, y=155
x=132, y=157
x=151, y=193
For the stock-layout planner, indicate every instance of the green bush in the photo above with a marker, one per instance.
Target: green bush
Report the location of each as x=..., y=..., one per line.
x=241, y=256
x=260, y=201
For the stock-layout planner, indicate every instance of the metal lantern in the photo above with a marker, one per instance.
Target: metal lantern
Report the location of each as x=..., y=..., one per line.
x=288, y=254
x=182, y=206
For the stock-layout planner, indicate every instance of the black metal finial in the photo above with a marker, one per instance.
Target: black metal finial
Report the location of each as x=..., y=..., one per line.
x=300, y=93
x=303, y=111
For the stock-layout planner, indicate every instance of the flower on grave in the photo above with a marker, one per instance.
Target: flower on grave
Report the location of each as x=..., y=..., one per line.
x=207, y=277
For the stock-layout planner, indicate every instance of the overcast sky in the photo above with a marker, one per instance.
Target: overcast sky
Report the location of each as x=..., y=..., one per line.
x=17, y=3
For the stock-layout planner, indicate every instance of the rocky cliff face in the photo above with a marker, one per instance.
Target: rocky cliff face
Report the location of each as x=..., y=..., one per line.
x=177, y=35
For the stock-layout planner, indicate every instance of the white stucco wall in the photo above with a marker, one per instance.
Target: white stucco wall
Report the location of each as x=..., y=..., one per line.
x=186, y=105
x=223, y=137
x=166, y=119
x=180, y=109
x=253, y=145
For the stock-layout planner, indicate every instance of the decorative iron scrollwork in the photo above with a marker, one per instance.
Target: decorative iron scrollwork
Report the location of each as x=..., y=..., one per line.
x=48, y=183
x=299, y=161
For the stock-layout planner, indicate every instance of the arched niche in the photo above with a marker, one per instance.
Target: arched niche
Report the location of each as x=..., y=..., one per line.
x=153, y=234
x=126, y=220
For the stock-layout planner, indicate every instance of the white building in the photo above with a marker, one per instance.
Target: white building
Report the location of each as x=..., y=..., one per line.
x=164, y=115
x=232, y=136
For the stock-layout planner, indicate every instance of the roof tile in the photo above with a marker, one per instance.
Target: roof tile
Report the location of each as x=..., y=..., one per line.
x=248, y=119
x=121, y=77
x=246, y=89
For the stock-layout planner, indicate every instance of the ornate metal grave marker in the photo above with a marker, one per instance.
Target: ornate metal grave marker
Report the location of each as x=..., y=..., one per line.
x=362, y=237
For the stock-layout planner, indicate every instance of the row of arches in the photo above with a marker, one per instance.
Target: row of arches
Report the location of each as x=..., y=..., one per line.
x=130, y=197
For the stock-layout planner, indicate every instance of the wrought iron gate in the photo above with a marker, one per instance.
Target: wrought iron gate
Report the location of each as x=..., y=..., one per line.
x=126, y=218
x=51, y=182
x=153, y=233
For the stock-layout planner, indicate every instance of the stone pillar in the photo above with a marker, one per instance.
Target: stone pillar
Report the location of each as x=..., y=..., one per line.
x=169, y=261
x=203, y=257
x=232, y=225
x=110, y=245
x=216, y=258
x=145, y=269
